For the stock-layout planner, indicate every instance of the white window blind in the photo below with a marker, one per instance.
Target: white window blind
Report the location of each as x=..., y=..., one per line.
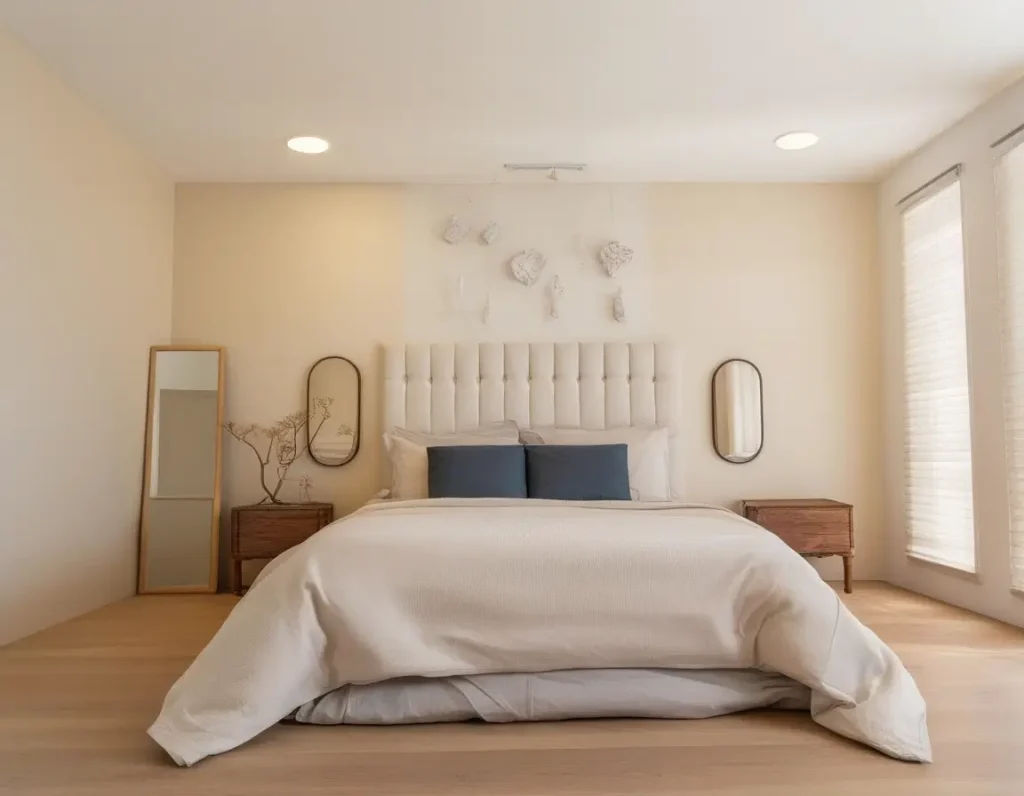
x=937, y=435
x=1010, y=204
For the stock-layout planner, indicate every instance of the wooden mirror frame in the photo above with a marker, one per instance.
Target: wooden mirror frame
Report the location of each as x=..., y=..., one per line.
x=714, y=413
x=359, y=411
x=211, y=586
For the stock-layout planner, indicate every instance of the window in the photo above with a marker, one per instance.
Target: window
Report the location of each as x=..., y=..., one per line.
x=937, y=433
x=1010, y=203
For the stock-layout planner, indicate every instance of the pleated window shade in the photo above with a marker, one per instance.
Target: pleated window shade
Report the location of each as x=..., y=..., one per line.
x=1010, y=212
x=937, y=433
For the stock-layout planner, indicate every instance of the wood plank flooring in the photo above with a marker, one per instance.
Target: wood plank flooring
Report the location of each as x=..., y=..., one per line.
x=75, y=701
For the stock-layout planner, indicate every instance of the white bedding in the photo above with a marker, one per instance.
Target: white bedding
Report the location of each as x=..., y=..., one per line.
x=550, y=696
x=438, y=588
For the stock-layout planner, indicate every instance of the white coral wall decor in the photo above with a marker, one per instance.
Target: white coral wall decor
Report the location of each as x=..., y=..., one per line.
x=613, y=255
x=456, y=230
x=618, y=307
x=526, y=266
x=490, y=233
x=555, y=292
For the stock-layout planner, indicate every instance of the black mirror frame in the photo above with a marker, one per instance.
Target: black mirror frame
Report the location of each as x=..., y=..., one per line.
x=714, y=415
x=359, y=411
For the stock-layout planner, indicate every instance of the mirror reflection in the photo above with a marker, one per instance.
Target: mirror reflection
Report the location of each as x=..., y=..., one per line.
x=182, y=496
x=737, y=411
x=334, y=386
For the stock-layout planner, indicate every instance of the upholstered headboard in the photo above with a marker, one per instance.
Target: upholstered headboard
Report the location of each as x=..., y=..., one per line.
x=448, y=387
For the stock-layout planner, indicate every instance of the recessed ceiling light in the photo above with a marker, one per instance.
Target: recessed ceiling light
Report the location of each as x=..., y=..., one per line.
x=796, y=140
x=308, y=145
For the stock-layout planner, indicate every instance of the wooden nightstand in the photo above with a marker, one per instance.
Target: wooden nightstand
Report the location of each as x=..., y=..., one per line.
x=812, y=527
x=267, y=530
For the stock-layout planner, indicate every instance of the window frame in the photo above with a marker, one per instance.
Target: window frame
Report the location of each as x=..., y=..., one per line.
x=1000, y=148
x=928, y=190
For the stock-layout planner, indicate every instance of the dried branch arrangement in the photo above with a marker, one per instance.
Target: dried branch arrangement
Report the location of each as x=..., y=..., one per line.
x=279, y=446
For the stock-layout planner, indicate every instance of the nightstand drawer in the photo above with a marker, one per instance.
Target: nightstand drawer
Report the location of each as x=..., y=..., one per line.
x=808, y=530
x=266, y=536
x=267, y=530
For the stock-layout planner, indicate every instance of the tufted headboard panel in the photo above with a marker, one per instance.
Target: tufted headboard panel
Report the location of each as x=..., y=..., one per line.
x=448, y=387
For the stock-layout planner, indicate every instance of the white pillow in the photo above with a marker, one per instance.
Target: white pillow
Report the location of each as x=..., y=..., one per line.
x=647, y=454
x=407, y=451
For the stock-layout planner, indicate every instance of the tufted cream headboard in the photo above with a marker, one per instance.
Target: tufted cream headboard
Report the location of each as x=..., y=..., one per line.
x=448, y=387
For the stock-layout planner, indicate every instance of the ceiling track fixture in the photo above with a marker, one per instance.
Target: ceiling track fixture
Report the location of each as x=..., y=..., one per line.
x=551, y=168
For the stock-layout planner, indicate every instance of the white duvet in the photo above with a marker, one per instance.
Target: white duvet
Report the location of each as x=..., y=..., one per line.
x=551, y=696
x=435, y=588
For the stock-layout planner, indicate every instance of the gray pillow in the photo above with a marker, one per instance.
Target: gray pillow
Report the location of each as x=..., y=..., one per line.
x=476, y=471
x=577, y=472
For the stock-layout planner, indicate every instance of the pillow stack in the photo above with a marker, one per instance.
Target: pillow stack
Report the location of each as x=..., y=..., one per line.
x=648, y=456
x=554, y=463
x=553, y=472
x=407, y=451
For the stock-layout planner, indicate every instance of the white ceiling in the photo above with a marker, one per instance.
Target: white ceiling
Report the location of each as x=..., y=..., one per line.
x=439, y=90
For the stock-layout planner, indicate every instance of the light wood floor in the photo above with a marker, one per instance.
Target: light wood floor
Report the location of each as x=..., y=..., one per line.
x=75, y=701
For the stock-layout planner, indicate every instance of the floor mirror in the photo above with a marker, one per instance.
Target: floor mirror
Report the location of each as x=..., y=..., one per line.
x=179, y=528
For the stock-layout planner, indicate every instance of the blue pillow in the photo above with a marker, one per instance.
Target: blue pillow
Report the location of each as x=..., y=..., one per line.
x=476, y=471
x=577, y=472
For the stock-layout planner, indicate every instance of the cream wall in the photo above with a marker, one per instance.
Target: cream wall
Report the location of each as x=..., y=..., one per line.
x=968, y=143
x=784, y=275
x=86, y=235
x=282, y=275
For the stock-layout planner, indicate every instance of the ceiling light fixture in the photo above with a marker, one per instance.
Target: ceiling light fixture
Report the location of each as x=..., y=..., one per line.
x=308, y=145
x=796, y=140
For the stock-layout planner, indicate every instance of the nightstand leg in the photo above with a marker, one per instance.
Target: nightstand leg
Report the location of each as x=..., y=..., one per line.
x=848, y=574
x=236, y=576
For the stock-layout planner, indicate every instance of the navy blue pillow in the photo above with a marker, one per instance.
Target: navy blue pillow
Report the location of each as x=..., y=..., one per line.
x=476, y=471
x=577, y=472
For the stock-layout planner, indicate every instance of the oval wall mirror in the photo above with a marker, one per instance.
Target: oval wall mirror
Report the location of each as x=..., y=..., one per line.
x=334, y=392
x=737, y=414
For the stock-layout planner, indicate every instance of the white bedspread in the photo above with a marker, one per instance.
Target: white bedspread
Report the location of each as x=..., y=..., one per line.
x=453, y=587
x=552, y=696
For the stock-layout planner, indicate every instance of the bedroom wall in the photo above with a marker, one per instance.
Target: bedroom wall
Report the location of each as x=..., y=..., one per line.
x=282, y=275
x=86, y=233
x=968, y=143
x=783, y=275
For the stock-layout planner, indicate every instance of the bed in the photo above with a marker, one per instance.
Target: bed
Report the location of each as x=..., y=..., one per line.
x=509, y=609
